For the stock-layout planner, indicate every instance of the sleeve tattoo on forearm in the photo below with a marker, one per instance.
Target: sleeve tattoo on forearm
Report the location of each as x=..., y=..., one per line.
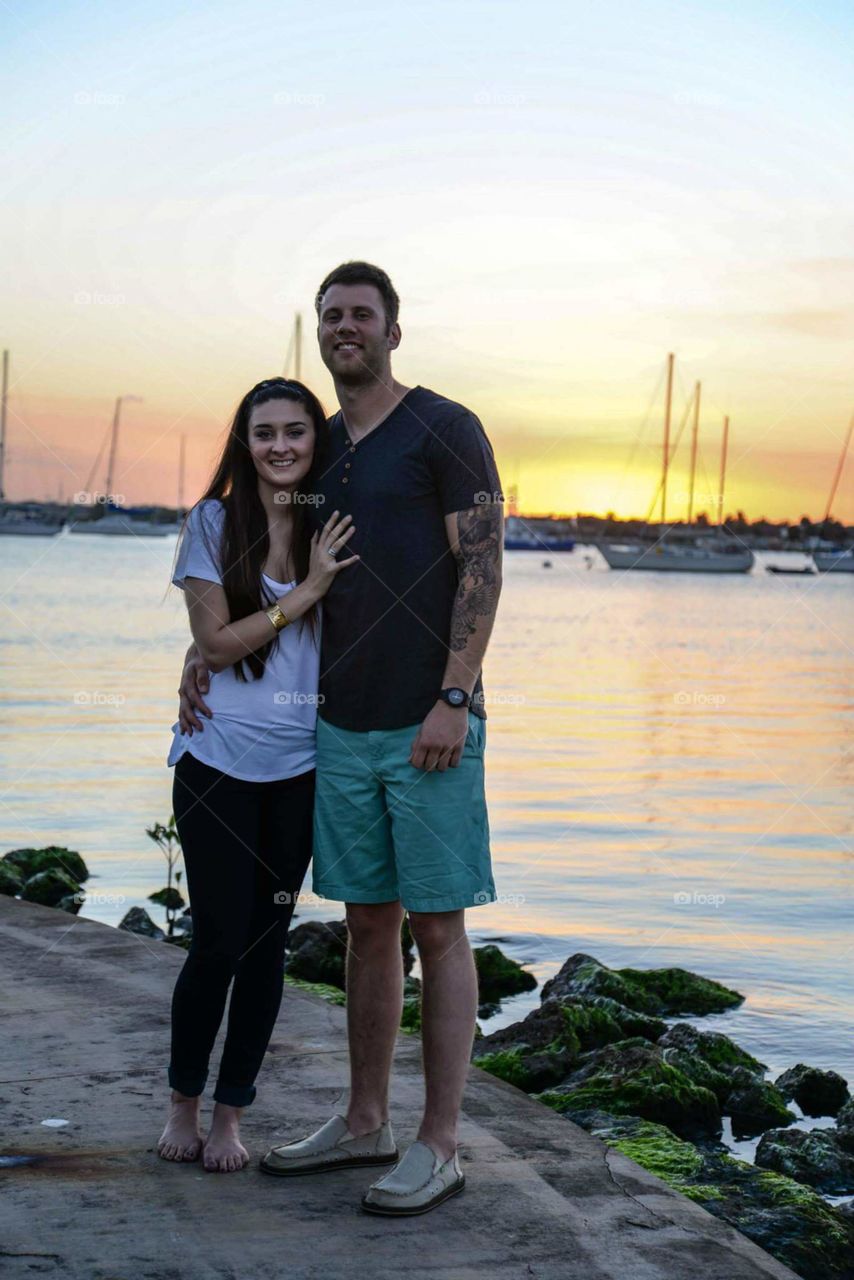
x=477, y=556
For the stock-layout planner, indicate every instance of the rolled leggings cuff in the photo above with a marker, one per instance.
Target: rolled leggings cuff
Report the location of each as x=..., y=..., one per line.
x=234, y=1095
x=190, y=1086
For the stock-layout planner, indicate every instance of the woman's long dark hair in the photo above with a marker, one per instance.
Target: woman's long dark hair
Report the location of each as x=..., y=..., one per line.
x=245, y=539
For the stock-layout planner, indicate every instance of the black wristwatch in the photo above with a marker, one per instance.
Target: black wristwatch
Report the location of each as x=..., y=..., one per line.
x=455, y=697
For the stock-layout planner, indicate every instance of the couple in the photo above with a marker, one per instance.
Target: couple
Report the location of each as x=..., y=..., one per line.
x=390, y=514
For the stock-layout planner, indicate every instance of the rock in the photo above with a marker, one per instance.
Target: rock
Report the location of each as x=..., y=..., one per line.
x=789, y=1221
x=49, y=887
x=845, y=1126
x=53, y=857
x=814, y=1156
x=632, y=1078
x=317, y=952
x=713, y=1046
x=755, y=1105
x=817, y=1093
x=11, y=880
x=184, y=923
x=72, y=902
x=499, y=976
x=331, y=994
x=410, y=1018
x=179, y=940
x=137, y=920
x=632, y=1022
x=653, y=991
x=169, y=898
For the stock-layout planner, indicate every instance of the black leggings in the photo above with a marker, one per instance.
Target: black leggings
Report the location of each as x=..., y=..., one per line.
x=246, y=849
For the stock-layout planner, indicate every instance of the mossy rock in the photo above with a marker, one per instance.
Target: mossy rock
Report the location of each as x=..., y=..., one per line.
x=410, y=1017
x=499, y=976
x=789, y=1221
x=528, y=1069
x=632, y=1078
x=179, y=940
x=49, y=887
x=630, y=1021
x=845, y=1126
x=317, y=952
x=755, y=1105
x=11, y=880
x=653, y=991
x=713, y=1047
x=817, y=1092
x=28, y=862
x=332, y=994
x=813, y=1156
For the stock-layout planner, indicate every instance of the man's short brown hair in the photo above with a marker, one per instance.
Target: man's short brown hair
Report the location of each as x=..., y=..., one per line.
x=363, y=273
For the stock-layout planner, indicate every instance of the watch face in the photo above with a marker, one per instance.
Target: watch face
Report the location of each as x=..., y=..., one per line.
x=457, y=697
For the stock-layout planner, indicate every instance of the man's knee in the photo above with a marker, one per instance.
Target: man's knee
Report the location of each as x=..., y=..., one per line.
x=374, y=925
x=438, y=933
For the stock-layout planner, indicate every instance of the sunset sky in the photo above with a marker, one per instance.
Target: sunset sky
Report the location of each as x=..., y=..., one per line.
x=561, y=192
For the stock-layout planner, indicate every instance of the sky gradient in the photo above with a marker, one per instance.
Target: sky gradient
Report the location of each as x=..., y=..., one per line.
x=561, y=194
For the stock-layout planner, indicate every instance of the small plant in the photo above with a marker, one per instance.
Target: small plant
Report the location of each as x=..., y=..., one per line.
x=169, y=843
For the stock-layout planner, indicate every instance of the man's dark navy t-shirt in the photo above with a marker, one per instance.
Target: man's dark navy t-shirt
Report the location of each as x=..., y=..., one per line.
x=386, y=619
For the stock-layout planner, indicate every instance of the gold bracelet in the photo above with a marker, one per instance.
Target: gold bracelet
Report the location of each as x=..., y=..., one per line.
x=277, y=617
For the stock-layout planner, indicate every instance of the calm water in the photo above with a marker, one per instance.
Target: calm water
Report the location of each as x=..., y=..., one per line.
x=670, y=765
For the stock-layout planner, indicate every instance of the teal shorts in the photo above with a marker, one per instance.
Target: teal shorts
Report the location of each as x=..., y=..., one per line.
x=385, y=831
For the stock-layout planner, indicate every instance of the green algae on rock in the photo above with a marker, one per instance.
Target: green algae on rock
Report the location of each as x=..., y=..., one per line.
x=333, y=995
x=814, y=1156
x=49, y=887
x=499, y=976
x=29, y=862
x=656, y=991
x=632, y=1078
x=789, y=1221
x=11, y=880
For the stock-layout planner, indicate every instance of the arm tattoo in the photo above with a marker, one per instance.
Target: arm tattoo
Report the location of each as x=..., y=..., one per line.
x=477, y=557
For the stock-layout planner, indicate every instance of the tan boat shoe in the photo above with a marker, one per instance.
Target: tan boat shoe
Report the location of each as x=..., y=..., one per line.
x=417, y=1183
x=333, y=1146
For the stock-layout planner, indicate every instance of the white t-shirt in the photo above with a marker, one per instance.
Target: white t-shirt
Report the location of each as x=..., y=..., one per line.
x=262, y=729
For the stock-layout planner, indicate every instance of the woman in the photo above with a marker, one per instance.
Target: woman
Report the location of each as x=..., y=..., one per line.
x=253, y=575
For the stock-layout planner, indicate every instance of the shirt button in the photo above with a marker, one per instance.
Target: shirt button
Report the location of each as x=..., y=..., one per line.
x=344, y=480
x=347, y=465
x=352, y=448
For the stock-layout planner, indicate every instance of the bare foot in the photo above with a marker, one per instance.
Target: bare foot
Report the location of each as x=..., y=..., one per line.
x=182, y=1137
x=223, y=1150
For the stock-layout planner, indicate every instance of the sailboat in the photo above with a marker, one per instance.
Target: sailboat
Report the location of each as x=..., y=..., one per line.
x=687, y=550
x=832, y=558
x=118, y=521
x=26, y=519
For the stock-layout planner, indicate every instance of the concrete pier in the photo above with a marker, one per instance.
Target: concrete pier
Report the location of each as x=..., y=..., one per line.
x=85, y=1021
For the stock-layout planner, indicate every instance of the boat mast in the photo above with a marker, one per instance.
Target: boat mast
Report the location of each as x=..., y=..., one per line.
x=298, y=346
x=833, y=487
x=724, y=445
x=694, y=434
x=3, y=423
x=666, y=460
x=182, y=447
x=114, y=439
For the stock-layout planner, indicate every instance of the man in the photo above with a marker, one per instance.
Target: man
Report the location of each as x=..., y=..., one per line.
x=400, y=819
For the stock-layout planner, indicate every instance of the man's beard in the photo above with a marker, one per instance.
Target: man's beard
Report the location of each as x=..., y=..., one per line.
x=366, y=369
